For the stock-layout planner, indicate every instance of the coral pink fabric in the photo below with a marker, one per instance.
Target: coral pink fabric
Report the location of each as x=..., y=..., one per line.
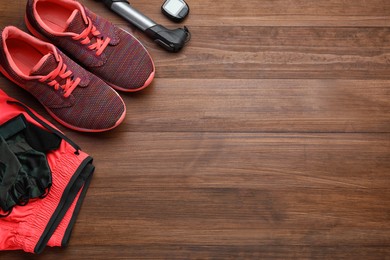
x=26, y=225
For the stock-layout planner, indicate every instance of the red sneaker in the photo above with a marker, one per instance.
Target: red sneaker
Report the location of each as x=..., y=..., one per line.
x=73, y=96
x=109, y=52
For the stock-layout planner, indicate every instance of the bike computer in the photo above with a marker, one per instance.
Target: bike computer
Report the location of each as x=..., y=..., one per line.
x=176, y=10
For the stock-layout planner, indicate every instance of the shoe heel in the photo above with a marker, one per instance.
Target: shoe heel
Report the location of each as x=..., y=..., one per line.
x=33, y=31
x=5, y=73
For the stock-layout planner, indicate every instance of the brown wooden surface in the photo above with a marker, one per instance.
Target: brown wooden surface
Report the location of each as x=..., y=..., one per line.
x=268, y=136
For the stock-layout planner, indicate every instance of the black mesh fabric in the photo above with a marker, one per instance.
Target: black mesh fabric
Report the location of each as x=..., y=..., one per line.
x=9, y=170
x=24, y=171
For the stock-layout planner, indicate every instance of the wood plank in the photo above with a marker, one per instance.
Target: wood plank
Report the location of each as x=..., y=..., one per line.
x=246, y=51
x=173, y=105
x=241, y=191
x=165, y=251
x=280, y=52
x=357, y=13
x=177, y=105
x=354, y=159
x=335, y=13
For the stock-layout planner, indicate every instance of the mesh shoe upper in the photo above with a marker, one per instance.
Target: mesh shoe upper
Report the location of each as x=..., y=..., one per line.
x=124, y=63
x=90, y=105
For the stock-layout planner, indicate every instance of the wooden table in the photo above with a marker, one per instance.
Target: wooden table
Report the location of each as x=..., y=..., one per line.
x=268, y=136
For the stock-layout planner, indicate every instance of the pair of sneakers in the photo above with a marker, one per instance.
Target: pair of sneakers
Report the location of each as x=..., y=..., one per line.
x=79, y=92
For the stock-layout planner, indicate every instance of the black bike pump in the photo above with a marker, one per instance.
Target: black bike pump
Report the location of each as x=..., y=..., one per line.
x=171, y=40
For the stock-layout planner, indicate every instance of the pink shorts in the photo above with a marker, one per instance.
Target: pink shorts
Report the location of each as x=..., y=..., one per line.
x=48, y=221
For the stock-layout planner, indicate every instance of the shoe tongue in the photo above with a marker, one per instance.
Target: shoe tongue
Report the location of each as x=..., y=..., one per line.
x=45, y=65
x=75, y=23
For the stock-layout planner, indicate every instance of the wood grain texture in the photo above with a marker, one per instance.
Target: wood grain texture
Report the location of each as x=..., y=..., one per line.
x=267, y=137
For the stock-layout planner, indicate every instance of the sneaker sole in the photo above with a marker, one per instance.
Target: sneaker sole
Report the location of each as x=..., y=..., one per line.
x=118, y=122
x=146, y=84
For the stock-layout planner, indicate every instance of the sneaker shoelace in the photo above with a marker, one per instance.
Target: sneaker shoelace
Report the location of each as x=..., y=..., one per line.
x=63, y=73
x=99, y=45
